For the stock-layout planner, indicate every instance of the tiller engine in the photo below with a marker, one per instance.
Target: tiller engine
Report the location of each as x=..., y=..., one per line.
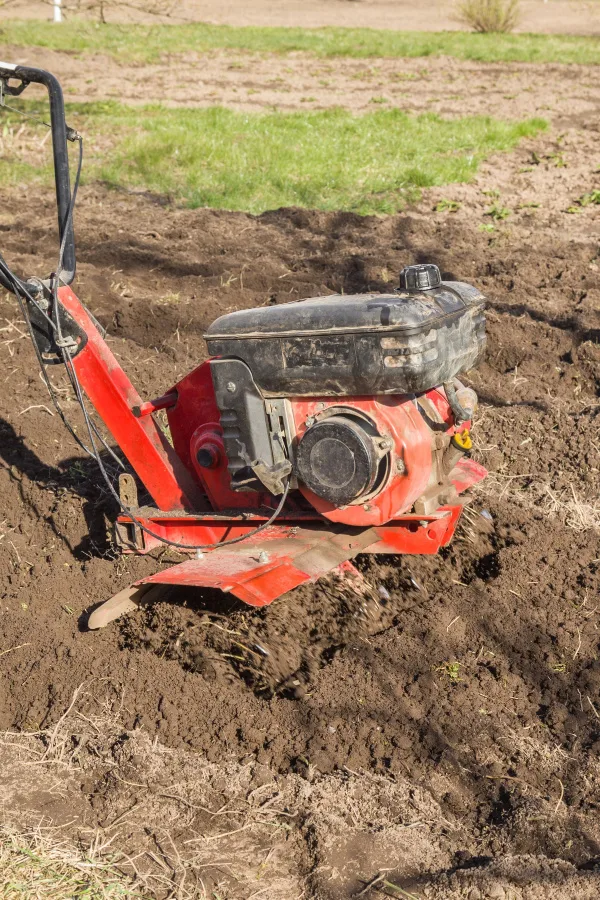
x=318, y=430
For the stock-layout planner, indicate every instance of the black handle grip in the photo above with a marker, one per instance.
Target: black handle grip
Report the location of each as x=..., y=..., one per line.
x=58, y=125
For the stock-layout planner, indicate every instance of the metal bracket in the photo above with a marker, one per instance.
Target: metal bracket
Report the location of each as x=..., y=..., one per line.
x=74, y=338
x=6, y=88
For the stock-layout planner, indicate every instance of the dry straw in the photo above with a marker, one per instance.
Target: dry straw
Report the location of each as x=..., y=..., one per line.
x=489, y=15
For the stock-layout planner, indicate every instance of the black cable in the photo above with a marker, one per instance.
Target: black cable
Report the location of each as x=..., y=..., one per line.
x=56, y=282
x=22, y=296
x=18, y=292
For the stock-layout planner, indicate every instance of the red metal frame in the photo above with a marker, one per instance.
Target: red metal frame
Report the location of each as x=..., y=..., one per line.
x=112, y=394
x=195, y=505
x=194, y=420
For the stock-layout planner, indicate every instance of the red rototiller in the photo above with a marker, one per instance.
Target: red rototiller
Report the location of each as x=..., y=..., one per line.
x=318, y=430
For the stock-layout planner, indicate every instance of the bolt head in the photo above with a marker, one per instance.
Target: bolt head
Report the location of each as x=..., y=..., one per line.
x=231, y=386
x=400, y=467
x=208, y=456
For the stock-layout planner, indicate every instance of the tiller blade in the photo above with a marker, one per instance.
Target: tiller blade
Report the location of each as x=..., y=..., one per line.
x=255, y=571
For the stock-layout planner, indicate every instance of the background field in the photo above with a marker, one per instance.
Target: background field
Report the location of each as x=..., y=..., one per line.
x=438, y=729
x=539, y=16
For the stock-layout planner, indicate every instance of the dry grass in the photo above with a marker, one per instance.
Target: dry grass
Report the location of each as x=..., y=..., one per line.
x=489, y=16
x=577, y=514
x=566, y=506
x=191, y=840
x=38, y=864
x=175, y=825
x=43, y=861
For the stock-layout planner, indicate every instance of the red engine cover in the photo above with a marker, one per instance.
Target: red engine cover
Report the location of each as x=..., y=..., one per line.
x=413, y=446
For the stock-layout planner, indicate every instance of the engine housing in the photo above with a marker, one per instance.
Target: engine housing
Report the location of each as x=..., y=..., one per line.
x=342, y=398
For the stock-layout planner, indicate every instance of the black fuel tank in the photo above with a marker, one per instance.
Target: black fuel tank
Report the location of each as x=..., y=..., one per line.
x=357, y=344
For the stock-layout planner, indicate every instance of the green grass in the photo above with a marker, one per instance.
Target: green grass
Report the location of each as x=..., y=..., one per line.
x=329, y=159
x=323, y=160
x=149, y=43
x=12, y=169
x=16, y=172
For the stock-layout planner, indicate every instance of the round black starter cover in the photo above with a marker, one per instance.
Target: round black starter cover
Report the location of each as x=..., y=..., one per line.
x=337, y=460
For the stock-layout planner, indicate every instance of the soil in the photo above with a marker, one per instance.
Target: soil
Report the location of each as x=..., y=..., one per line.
x=440, y=726
x=541, y=16
x=251, y=82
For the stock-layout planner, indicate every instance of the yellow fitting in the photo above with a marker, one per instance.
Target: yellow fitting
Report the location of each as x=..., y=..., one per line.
x=462, y=440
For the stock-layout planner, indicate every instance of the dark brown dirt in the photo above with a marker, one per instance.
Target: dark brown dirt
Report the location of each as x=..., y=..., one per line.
x=472, y=678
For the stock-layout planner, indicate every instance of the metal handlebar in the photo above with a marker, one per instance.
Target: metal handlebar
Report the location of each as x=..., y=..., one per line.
x=60, y=134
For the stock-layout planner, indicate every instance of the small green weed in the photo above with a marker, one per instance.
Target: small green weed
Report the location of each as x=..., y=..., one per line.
x=447, y=206
x=592, y=198
x=77, y=471
x=558, y=159
x=451, y=670
x=498, y=213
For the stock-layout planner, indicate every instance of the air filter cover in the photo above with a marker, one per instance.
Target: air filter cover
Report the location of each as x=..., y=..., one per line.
x=337, y=459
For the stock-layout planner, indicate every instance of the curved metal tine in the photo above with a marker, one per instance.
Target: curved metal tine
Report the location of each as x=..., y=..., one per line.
x=127, y=600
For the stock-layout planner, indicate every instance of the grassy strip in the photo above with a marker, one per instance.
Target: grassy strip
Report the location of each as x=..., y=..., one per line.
x=322, y=160
x=216, y=157
x=37, y=864
x=330, y=159
x=149, y=43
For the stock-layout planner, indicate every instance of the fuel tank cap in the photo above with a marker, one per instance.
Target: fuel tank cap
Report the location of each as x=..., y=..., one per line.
x=420, y=278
